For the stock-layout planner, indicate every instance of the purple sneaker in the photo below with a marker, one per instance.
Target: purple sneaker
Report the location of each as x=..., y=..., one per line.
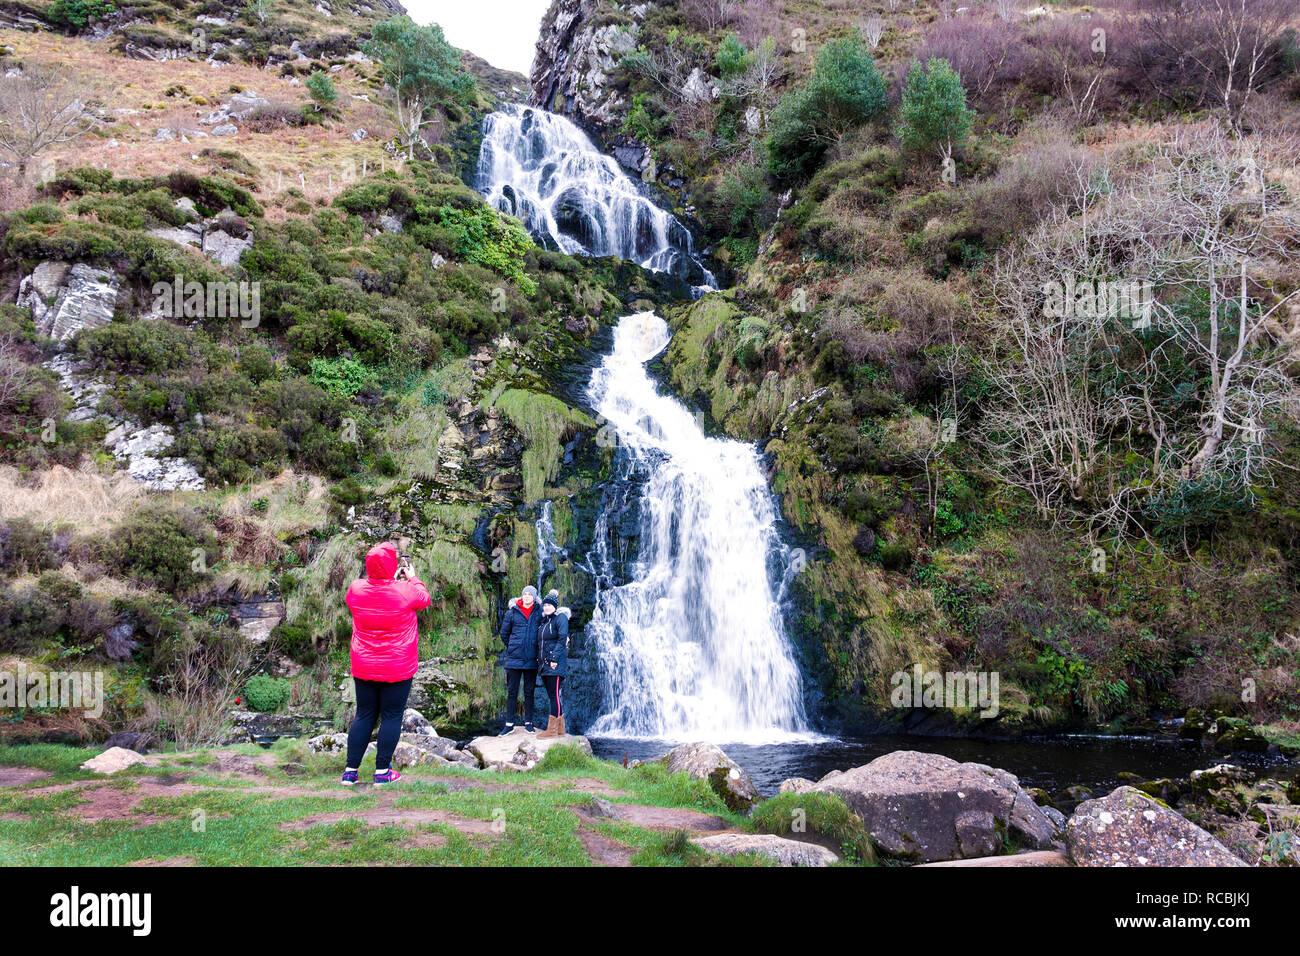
x=388, y=776
x=349, y=778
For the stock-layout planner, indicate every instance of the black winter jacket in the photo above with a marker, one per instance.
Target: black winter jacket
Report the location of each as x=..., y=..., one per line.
x=553, y=644
x=519, y=635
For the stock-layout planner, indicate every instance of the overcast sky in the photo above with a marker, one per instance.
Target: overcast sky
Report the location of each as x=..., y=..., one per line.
x=503, y=32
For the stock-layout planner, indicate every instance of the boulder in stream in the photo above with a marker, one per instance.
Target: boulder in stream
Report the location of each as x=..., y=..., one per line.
x=708, y=762
x=927, y=807
x=1131, y=828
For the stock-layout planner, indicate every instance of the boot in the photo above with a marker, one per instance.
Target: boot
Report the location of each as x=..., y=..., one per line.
x=559, y=726
x=550, y=730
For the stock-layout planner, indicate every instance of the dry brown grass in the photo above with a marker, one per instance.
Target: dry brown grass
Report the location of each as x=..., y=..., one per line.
x=84, y=498
x=134, y=91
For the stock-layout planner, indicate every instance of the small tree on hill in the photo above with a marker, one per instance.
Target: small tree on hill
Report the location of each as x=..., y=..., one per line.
x=321, y=89
x=933, y=114
x=422, y=69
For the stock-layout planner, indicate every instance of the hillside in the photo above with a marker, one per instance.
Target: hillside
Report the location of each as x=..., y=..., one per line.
x=881, y=338
x=189, y=483
x=1104, y=512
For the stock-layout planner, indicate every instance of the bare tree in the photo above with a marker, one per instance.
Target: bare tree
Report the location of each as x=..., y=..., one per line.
x=1097, y=411
x=39, y=108
x=1228, y=45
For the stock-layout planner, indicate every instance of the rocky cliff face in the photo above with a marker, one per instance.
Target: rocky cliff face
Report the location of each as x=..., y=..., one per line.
x=580, y=44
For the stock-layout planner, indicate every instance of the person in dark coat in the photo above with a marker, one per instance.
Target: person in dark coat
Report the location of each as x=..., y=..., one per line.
x=519, y=656
x=553, y=659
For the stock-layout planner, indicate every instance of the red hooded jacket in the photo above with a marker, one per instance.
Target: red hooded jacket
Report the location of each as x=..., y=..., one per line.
x=385, y=644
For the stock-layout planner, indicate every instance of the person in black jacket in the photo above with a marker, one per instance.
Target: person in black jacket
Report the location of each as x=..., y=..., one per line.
x=519, y=656
x=553, y=659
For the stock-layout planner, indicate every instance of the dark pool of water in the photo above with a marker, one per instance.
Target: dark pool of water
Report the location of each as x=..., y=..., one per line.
x=1050, y=763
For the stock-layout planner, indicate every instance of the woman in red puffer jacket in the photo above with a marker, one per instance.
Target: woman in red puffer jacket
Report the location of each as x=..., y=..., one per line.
x=385, y=654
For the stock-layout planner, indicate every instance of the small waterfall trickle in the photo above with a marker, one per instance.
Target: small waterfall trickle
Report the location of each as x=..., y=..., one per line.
x=571, y=197
x=693, y=645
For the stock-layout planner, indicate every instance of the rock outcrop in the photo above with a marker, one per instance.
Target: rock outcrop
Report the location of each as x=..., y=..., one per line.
x=708, y=762
x=575, y=55
x=927, y=807
x=1130, y=828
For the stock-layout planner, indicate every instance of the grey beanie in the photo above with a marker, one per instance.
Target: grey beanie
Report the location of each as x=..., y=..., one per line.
x=529, y=589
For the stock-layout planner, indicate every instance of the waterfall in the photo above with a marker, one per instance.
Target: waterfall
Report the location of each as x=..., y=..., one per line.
x=571, y=197
x=693, y=645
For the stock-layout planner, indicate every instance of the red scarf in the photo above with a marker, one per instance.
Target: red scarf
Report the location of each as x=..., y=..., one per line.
x=527, y=610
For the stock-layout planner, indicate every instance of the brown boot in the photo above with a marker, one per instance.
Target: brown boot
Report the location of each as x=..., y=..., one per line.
x=550, y=730
x=559, y=726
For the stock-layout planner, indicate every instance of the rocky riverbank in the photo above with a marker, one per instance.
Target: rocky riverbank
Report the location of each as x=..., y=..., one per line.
x=904, y=808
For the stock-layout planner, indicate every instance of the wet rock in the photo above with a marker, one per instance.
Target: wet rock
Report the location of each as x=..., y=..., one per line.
x=257, y=619
x=703, y=761
x=796, y=785
x=1131, y=828
x=928, y=807
x=786, y=852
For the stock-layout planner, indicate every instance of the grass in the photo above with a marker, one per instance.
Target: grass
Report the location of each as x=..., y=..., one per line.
x=546, y=422
x=218, y=819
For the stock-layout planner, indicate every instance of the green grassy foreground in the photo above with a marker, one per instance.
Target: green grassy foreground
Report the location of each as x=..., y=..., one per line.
x=243, y=806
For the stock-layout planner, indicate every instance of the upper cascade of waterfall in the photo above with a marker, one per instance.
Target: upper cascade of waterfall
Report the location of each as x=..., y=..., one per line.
x=694, y=646
x=571, y=197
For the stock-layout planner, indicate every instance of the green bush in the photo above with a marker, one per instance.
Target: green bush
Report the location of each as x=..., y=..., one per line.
x=165, y=547
x=77, y=13
x=844, y=91
x=933, y=114
x=267, y=694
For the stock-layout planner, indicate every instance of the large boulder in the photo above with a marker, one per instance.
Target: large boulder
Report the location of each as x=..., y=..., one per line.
x=927, y=807
x=708, y=762
x=520, y=750
x=1130, y=828
x=785, y=851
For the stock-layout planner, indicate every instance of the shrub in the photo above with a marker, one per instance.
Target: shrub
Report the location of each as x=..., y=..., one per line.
x=266, y=694
x=895, y=556
x=77, y=13
x=159, y=545
x=844, y=91
x=933, y=114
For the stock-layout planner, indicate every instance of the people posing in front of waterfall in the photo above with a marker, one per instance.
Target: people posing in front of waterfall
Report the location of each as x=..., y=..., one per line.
x=519, y=656
x=385, y=653
x=553, y=659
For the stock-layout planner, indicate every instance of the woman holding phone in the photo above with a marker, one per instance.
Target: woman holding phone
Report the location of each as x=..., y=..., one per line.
x=385, y=654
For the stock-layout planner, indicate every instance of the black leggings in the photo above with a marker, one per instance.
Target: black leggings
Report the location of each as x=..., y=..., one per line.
x=552, y=684
x=515, y=676
x=382, y=701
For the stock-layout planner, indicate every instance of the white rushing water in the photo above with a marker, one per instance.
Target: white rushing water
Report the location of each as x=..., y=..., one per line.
x=693, y=646
x=570, y=196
